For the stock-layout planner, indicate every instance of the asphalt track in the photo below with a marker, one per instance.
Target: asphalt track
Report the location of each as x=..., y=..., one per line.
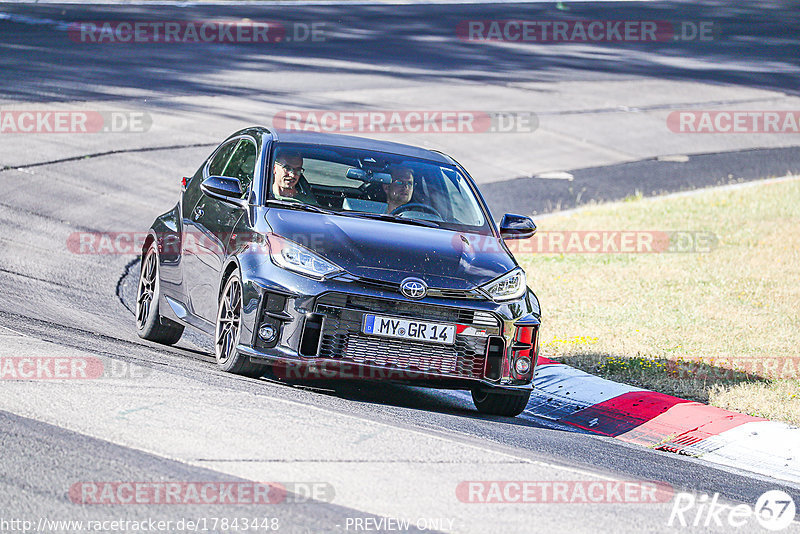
x=388, y=451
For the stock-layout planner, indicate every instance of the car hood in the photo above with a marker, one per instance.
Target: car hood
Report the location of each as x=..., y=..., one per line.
x=390, y=251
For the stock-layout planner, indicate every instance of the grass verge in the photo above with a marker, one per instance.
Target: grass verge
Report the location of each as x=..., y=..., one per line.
x=720, y=325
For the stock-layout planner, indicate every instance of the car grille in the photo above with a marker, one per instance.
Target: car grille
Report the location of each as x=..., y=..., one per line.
x=341, y=336
x=466, y=294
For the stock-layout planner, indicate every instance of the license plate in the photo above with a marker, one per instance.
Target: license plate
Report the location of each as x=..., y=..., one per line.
x=379, y=325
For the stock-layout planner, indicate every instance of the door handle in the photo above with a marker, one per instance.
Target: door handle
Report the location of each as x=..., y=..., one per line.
x=198, y=212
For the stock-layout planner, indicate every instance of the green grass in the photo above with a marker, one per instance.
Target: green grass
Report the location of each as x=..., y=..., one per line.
x=721, y=326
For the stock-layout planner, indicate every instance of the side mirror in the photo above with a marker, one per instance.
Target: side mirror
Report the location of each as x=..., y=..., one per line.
x=516, y=227
x=223, y=188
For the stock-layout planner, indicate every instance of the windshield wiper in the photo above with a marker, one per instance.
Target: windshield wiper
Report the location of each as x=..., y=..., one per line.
x=298, y=206
x=389, y=217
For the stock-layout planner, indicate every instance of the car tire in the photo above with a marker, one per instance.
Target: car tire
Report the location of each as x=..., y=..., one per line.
x=150, y=325
x=227, y=332
x=495, y=403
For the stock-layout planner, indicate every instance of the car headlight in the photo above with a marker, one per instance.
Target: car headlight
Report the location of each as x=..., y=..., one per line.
x=511, y=285
x=297, y=258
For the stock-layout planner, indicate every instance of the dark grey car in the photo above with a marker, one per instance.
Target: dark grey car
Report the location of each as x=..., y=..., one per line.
x=337, y=257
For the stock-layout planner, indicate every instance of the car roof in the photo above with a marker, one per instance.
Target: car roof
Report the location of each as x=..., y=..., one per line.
x=351, y=141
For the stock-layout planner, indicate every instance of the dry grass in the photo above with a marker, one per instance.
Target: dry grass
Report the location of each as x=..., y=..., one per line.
x=735, y=307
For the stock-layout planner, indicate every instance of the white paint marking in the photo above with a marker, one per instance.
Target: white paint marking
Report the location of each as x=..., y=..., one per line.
x=555, y=175
x=675, y=158
x=7, y=332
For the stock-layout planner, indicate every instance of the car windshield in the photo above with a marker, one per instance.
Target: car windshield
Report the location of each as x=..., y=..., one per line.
x=364, y=183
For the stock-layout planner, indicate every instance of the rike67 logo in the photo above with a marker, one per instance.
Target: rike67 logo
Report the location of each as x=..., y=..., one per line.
x=774, y=510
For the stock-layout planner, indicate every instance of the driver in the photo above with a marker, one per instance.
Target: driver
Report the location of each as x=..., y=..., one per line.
x=287, y=172
x=401, y=189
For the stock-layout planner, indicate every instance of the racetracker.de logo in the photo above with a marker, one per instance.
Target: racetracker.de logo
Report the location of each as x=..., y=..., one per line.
x=195, y=32
x=563, y=492
x=585, y=31
x=67, y=368
x=73, y=122
x=735, y=368
x=208, y=492
x=347, y=371
x=176, y=493
x=50, y=368
x=406, y=121
x=698, y=121
x=597, y=242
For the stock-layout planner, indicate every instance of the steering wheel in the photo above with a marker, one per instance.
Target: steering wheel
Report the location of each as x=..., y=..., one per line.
x=414, y=206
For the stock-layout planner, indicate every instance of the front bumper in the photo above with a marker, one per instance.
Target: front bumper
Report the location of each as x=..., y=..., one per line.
x=319, y=335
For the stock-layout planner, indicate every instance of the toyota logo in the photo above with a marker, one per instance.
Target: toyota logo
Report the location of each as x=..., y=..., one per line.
x=414, y=288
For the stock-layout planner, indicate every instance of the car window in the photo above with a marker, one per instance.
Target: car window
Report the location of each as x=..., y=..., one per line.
x=242, y=164
x=465, y=207
x=221, y=158
x=354, y=181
